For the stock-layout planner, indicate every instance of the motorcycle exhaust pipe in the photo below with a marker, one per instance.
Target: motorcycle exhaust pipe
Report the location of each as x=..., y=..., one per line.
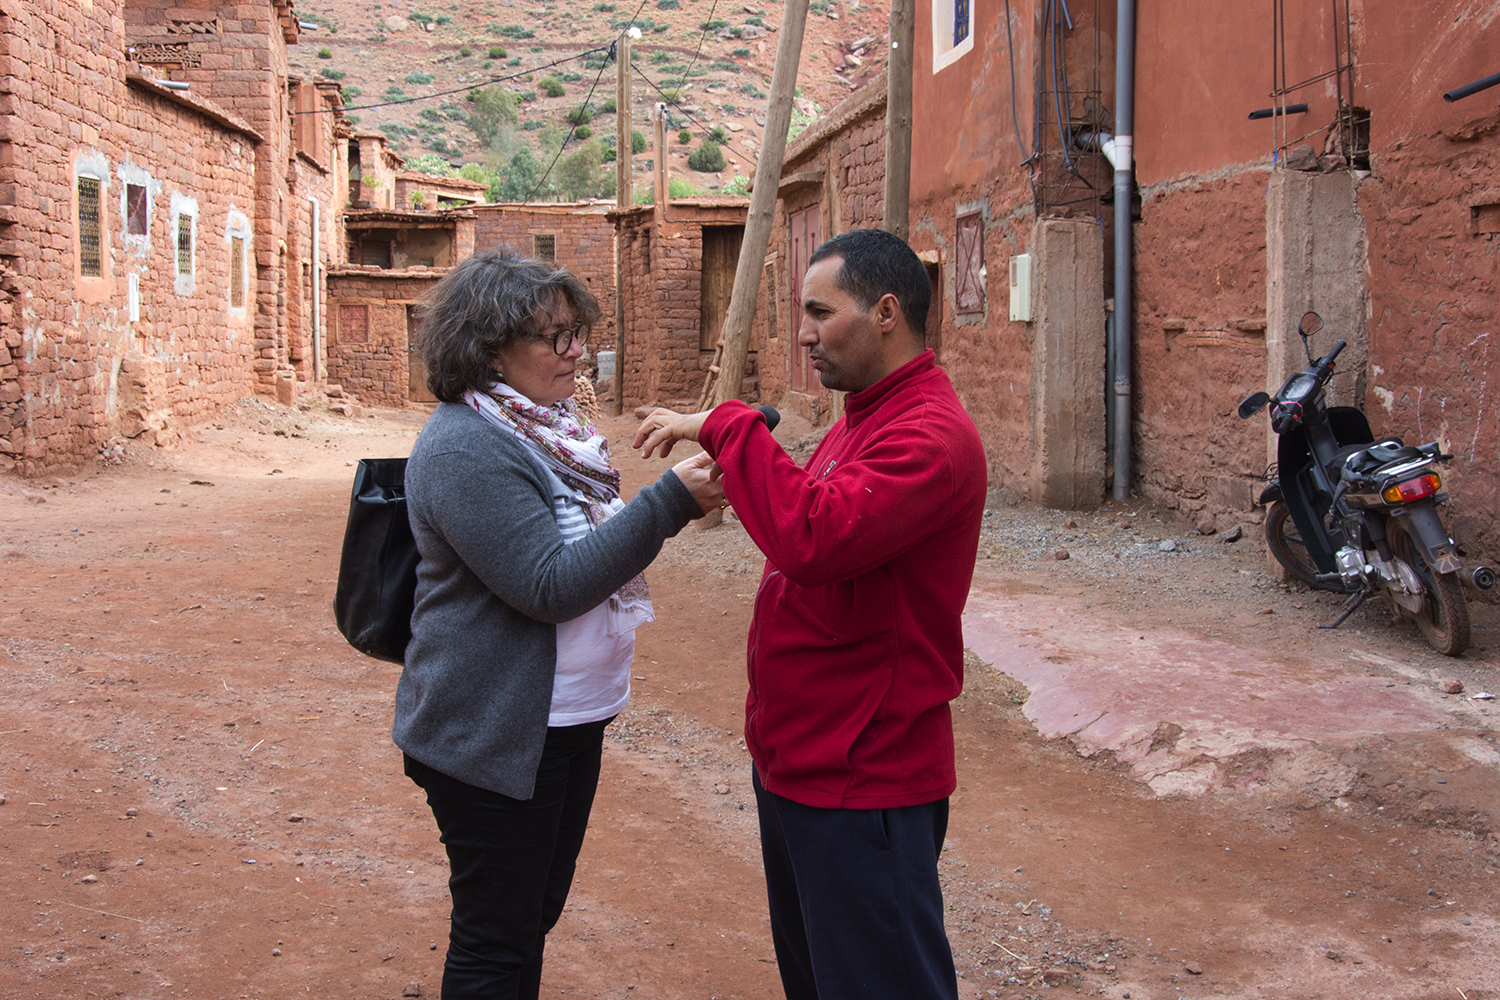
x=1483, y=578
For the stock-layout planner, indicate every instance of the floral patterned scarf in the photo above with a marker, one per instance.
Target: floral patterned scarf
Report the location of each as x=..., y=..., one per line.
x=571, y=446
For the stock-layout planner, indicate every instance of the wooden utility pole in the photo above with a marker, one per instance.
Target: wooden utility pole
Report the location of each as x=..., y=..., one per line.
x=622, y=202
x=737, y=324
x=903, y=27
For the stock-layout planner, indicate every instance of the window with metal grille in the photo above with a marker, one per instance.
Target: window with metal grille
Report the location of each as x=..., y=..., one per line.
x=237, y=272
x=90, y=244
x=952, y=31
x=960, y=21
x=544, y=247
x=184, y=244
x=136, y=211
x=968, y=285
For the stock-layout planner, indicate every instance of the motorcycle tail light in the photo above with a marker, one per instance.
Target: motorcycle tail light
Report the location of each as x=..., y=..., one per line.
x=1413, y=489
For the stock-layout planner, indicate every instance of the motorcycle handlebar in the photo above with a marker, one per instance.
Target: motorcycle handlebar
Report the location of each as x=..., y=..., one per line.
x=1327, y=361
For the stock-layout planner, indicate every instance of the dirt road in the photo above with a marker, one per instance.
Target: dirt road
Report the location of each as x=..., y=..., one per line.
x=201, y=798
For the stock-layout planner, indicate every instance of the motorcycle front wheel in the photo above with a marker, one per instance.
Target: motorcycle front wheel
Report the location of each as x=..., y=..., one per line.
x=1444, y=618
x=1287, y=548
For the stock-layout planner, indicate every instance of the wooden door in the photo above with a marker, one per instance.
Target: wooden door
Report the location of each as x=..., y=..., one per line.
x=721, y=256
x=416, y=368
x=805, y=232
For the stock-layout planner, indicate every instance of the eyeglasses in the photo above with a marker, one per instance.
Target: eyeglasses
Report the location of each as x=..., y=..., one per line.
x=563, y=339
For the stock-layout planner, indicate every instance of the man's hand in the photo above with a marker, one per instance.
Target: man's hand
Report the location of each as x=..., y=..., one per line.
x=701, y=476
x=663, y=428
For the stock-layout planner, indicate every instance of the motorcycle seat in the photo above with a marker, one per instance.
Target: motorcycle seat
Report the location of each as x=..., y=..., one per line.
x=1363, y=459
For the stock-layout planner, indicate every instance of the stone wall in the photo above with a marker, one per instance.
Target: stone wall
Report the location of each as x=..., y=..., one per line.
x=583, y=239
x=368, y=351
x=77, y=369
x=662, y=285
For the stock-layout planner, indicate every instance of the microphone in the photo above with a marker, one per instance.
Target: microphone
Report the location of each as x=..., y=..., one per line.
x=772, y=417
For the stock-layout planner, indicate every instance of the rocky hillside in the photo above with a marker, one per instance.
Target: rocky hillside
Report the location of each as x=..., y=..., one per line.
x=520, y=94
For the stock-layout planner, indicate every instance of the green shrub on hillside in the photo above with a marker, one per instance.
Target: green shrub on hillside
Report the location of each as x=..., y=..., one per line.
x=329, y=73
x=668, y=4
x=582, y=132
x=713, y=25
x=579, y=116
x=751, y=90
x=741, y=53
x=496, y=52
x=717, y=134
x=570, y=77
x=707, y=158
x=325, y=53
x=637, y=141
x=351, y=94
x=417, y=76
x=465, y=51
x=551, y=86
x=394, y=93
x=608, y=106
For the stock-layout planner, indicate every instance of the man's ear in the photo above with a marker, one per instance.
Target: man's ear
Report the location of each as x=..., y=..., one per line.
x=887, y=312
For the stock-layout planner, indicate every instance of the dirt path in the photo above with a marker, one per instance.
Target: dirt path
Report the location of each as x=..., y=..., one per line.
x=201, y=798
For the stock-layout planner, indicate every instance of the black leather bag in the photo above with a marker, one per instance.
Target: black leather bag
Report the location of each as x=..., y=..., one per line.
x=378, y=568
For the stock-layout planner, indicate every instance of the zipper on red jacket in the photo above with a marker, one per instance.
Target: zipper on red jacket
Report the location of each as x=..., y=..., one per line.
x=750, y=655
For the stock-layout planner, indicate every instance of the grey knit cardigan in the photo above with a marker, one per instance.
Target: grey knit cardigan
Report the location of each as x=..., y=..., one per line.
x=494, y=580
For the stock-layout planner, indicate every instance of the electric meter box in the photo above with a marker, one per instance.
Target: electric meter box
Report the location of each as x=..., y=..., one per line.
x=1020, y=288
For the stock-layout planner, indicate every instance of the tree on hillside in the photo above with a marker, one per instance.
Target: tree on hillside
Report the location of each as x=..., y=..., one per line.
x=490, y=110
x=521, y=175
x=430, y=163
x=578, y=175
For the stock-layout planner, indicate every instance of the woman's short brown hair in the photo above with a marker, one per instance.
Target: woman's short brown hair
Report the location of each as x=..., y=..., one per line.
x=493, y=299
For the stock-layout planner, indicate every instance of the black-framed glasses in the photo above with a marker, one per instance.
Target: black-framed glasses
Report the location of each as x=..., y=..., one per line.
x=563, y=339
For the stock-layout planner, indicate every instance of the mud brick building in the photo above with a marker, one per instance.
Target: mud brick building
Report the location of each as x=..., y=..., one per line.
x=163, y=224
x=1359, y=192
x=576, y=235
x=679, y=259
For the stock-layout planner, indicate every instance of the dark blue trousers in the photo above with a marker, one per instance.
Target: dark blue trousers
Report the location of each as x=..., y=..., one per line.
x=856, y=908
x=511, y=863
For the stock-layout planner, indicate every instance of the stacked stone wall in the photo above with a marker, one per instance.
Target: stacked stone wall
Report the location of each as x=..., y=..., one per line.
x=584, y=240
x=64, y=384
x=368, y=338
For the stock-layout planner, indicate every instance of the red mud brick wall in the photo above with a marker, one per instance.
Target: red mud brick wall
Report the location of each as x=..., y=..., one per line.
x=584, y=242
x=367, y=323
x=64, y=387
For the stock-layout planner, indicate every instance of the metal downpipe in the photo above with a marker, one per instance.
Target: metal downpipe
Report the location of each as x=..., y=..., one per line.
x=1120, y=152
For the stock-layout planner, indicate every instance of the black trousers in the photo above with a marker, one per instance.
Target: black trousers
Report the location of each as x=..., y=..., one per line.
x=856, y=908
x=511, y=863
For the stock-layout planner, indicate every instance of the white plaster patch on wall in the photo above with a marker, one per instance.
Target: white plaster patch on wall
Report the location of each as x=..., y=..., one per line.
x=132, y=176
x=1386, y=397
x=184, y=280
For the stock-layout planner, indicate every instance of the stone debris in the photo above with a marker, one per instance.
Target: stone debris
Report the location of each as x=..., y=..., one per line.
x=1454, y=686
x=412, y=990
x=1060, y=555
x=1193, y=969
x=1167, y=546
x=1234, y=534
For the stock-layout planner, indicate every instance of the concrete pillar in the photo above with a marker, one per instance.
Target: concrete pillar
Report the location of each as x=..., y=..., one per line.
x=1067, y=365
x=1316, y=260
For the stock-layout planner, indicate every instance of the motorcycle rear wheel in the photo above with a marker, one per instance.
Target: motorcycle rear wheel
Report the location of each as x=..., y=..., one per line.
x=1444, y=618
x=1287, y=548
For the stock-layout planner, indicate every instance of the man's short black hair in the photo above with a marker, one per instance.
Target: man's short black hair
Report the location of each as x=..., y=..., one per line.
x=877, y=263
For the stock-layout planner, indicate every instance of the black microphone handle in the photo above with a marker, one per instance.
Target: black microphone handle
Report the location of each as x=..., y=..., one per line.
x=772, y=417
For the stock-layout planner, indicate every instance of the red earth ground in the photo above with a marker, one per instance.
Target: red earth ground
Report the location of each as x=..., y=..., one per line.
x=201, y=798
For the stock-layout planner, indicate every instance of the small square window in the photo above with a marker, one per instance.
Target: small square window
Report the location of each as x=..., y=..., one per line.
x=90, y=244
x=544, y=247
x=136, y=211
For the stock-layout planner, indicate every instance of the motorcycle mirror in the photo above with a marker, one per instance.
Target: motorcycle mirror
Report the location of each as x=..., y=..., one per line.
x=1253, y=404
x=1310, y=324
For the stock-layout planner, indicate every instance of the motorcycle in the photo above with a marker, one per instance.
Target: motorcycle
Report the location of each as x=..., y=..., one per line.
x=1353, y=515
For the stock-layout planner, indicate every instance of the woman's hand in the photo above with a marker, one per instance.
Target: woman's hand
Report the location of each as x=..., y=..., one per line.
x=701, y=475
x=663, y=428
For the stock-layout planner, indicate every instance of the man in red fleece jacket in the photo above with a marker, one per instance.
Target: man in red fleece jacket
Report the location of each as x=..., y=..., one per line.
x=855, y=648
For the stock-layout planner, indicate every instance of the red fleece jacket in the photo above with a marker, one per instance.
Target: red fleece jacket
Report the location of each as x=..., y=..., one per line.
x=855, y=648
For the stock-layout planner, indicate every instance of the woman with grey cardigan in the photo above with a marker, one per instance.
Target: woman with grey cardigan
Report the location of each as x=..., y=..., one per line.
x=529, y=591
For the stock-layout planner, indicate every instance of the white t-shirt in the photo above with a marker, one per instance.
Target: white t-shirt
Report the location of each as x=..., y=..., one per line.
x=592, y=681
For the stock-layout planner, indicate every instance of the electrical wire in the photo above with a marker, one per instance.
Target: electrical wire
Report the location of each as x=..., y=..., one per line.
x=462, y=90
x=689, y=118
